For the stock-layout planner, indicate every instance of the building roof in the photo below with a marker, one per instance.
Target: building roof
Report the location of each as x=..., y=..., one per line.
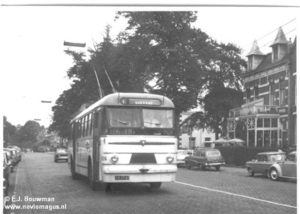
x=255, y=50
x=280, y=38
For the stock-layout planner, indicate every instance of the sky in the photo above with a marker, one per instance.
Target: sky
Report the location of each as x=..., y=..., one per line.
x=34, y=66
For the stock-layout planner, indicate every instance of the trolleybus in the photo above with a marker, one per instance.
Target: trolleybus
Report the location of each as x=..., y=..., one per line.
x=123, y=138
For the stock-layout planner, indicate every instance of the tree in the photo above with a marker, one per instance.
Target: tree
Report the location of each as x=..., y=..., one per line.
x=183, y=62
x=106, y=61
x=27, y=135
x=159, y=52
x=8, y=131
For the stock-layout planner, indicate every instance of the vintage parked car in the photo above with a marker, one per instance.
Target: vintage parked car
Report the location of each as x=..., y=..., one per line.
x=285, y=168
x=181, y=154
x=6, y=169
x=61, y=154
x=12, y=156
x=18, y=152
x=263, y=161
x=5, y=192
x=205, y=157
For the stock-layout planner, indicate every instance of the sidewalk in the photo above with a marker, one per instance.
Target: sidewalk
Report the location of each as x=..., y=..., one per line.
x=19, y=187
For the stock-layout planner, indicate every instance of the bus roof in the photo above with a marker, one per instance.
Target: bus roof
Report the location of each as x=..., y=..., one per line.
x=130, y=99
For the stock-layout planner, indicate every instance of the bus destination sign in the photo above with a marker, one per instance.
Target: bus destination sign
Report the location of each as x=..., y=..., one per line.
x=140, y=102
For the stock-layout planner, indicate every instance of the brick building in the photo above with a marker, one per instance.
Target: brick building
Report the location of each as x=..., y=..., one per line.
x=268, y=116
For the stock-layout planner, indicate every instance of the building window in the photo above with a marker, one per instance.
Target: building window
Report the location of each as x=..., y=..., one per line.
x=256, y=93
x=260, y=122
x=274, y=122
x=267, y=138
x=248, y=95
x=250, y=62
x=275, y=53
x=274, y=138
x=267, y=122
x=260, y=138
x=272, y=98
x=283, y=100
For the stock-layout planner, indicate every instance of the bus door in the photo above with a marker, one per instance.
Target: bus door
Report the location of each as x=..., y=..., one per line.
x=74, y=147
x=96, y=144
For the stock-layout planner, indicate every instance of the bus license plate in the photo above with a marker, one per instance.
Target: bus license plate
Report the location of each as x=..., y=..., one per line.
x=122, y=177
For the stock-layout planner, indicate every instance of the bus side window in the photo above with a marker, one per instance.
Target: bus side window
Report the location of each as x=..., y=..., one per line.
x=96, y=122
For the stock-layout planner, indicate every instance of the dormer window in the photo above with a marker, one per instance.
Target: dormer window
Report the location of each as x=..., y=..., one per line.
x=250, y=63
x=275, y=53
x=255, y=57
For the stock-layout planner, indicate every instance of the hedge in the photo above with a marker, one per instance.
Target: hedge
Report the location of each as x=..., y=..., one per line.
x=239, y=155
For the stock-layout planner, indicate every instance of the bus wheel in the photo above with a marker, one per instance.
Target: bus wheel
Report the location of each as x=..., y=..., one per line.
x=155, y=185
x=74, y=175
x=92, y=183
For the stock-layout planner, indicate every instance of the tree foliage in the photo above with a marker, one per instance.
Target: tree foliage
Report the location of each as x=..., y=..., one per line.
x=26, y=136
x=161, y=53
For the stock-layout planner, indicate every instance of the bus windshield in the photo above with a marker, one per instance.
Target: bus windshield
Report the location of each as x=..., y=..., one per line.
x=138, y=118
x=140, y=121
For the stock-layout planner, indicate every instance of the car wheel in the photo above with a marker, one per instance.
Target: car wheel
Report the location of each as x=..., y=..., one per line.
x=268, y=173
x=188, y=165
x=202, y=167
x=218, y=168
x=250, y=172
x=274, y=174
x=155, y=185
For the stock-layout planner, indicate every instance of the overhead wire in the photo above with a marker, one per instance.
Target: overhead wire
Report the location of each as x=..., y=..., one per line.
x=273, y=39
x=271, y=32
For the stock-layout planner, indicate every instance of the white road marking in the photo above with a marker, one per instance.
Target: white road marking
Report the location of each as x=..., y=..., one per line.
x=238, y=195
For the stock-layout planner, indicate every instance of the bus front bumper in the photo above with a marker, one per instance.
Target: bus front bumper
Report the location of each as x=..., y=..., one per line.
x=139, y=173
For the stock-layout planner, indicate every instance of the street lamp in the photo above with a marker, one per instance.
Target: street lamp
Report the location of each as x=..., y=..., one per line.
x=82, y=45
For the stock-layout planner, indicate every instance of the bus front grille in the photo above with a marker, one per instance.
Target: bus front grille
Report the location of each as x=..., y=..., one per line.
x=143, y=158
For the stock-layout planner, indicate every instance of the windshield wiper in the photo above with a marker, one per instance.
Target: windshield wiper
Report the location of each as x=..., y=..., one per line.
x=153, y=123
x=120, y=121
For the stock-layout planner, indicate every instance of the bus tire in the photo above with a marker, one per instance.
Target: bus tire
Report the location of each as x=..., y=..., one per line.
x=155, y=185
x=74, y=175
x=94, y=185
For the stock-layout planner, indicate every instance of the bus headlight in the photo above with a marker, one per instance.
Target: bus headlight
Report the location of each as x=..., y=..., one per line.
x=170, y=159
x=114, y=159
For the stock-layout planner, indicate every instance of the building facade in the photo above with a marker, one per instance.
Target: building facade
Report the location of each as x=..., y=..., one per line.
x=268, y=116
x=192, y=138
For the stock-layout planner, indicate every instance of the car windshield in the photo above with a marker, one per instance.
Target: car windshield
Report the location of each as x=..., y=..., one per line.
x=185, y=152
x=277, y=157
x=61, y=151
x=213, y=153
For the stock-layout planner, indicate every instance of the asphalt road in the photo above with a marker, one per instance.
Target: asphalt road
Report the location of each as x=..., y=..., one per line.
x=41, y=184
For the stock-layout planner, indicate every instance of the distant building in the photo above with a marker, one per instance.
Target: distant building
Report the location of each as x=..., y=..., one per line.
x=268, y=116
x=192, y=138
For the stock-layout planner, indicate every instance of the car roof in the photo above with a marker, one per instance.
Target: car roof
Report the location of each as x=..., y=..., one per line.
x=210, y=149
x=270, y=153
